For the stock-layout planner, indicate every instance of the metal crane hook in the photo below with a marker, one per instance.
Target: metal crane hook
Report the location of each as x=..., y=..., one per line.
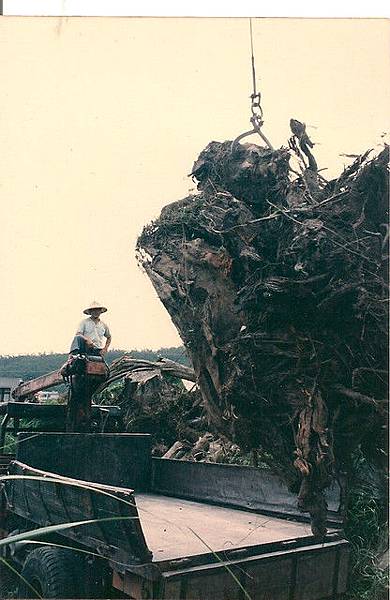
x=256, y=110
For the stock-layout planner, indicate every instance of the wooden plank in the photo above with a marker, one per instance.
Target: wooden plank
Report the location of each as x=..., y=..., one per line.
x=44, y=382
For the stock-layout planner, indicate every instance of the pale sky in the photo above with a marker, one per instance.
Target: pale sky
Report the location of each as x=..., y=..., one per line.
x=101, y=121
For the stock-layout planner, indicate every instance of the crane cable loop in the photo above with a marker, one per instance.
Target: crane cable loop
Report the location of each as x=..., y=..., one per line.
x=256, y=119
x=256, y=110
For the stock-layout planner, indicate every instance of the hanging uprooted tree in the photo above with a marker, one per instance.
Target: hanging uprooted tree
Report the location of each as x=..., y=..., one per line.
x=276, y=282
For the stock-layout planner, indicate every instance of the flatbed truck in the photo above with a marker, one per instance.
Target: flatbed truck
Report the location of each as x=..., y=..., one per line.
x=158, y=528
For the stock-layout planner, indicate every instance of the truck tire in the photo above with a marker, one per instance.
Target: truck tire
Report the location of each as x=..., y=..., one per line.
x=53, y=573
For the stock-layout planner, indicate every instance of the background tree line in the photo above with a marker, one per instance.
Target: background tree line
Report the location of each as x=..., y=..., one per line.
x=29, y=366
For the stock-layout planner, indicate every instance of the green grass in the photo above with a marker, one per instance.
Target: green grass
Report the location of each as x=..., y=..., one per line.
x=30, y=424
x=367, y=534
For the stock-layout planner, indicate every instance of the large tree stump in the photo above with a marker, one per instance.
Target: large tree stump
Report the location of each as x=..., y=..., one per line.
x=277, y=286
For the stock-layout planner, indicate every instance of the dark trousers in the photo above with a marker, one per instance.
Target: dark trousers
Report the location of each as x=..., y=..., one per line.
x=79, y=346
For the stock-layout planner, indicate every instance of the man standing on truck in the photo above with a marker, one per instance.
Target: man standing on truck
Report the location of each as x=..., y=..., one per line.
x=92, y=337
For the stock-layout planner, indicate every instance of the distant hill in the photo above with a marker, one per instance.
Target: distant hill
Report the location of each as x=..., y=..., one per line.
x=29, y=366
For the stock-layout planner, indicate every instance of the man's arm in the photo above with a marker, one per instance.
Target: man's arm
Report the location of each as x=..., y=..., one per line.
x=107, y=335
x=80, y=332
x=107, y=344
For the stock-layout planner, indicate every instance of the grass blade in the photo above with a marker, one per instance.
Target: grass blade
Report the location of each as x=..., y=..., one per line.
x=26, y=535
x=16, y=572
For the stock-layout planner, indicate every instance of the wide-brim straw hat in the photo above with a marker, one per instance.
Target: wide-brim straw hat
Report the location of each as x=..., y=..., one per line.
x=94, y=304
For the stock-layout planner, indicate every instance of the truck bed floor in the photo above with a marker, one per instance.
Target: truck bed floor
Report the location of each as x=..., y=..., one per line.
x=167, y=523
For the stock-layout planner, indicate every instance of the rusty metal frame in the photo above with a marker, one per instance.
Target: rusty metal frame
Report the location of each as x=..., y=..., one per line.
x=27, y=388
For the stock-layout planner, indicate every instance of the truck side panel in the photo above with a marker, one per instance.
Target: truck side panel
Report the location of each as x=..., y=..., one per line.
x=45, y=498
x=234, y=485
x=314, y=573
x=117, y=459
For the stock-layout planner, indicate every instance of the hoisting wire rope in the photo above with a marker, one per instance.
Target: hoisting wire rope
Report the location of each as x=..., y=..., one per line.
x=256, y=97
x=253, y=58
x=256, y=110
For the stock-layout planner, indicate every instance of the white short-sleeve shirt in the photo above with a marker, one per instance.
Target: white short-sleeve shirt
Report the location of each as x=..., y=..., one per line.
x=96, y=331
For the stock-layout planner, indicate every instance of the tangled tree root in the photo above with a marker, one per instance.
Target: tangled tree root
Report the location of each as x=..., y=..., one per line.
x=277, y=286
